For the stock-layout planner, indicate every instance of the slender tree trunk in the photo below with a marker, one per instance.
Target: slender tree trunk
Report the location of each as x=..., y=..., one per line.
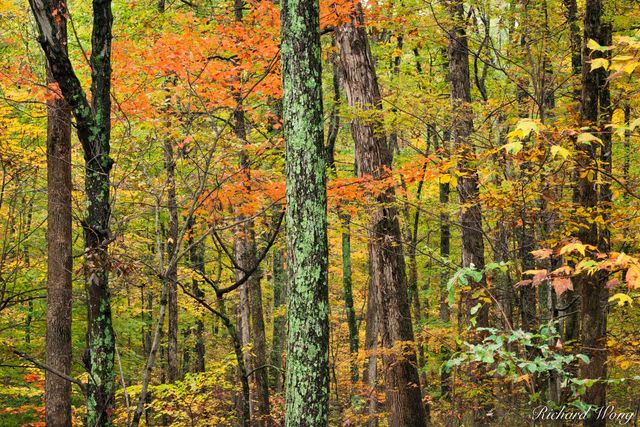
x=334, y=119
x=445, y=249
x=196, y=257
x=373, y=157
x=571, y=299
x=171, y=274
x=307, y=378
x=347, y=287
x=279, y=321
x=59, y=260
x=242, y=368
x=247, y=258
x=370, y=373
x=627, y=146
x=153, y=351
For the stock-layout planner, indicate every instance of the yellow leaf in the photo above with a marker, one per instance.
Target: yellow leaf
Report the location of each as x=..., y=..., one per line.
x=622, y=299
x=599, y=63
x=593, y=45
x=587, y=138
x=558, y=150
x=513, y=147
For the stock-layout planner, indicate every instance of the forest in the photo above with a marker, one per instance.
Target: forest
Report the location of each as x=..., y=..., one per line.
x=309, y=213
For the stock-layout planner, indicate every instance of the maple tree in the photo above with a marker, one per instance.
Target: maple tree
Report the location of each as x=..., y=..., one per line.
x=318, y=213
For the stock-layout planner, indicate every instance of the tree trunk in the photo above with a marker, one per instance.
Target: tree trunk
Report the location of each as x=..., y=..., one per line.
x=594, y=114
x=373, y=156
x=196, y=257
x=468, y=190
x=445, y=248
x=570, y=300
x=307, y=378
x=151, y=357
x=93, y=122
x=334, y=119
x=171, y=274
x=279, y=321
x=59, y=260
x=370, y=373
x=246, y=254
x=347, y=287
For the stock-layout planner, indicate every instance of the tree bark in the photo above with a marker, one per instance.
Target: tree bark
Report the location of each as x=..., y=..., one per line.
x=307, y=375
x=594, y=114
x=373, y=158
x=59, y=244
x=246, y=252
x=93, y=122
x=468, y=189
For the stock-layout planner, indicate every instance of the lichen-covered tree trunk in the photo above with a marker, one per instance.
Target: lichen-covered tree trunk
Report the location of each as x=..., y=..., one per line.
x=59, y=260
x=307, y=372
x=93, y=123
x=373, y=158
x=594, y=114
x=462, y=128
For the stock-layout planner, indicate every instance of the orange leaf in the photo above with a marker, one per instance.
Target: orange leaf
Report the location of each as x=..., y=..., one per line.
x=562, y=284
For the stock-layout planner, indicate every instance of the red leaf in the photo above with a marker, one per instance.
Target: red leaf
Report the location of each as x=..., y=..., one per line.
x=562, y=284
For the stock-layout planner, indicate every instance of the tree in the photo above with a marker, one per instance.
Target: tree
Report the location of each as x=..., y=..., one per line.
x=468, y=189
x=307, y=371
x=59, y=242
x=93, y=123
x=373, y=159
x=595, y=114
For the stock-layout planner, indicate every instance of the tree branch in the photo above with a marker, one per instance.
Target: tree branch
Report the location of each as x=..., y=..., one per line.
x=54, y=371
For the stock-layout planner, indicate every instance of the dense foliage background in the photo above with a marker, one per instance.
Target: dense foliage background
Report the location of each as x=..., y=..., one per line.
x=197, y=189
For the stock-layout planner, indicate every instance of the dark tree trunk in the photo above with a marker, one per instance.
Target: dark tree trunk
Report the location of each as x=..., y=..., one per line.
x=59, y=261
x=445, y=248
x=196, y=257
x=571, y=299
x=385, y=249
x=171, y=273
x=307, y=378
x=595, y=114
x=347, y=287
x=468, y=190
